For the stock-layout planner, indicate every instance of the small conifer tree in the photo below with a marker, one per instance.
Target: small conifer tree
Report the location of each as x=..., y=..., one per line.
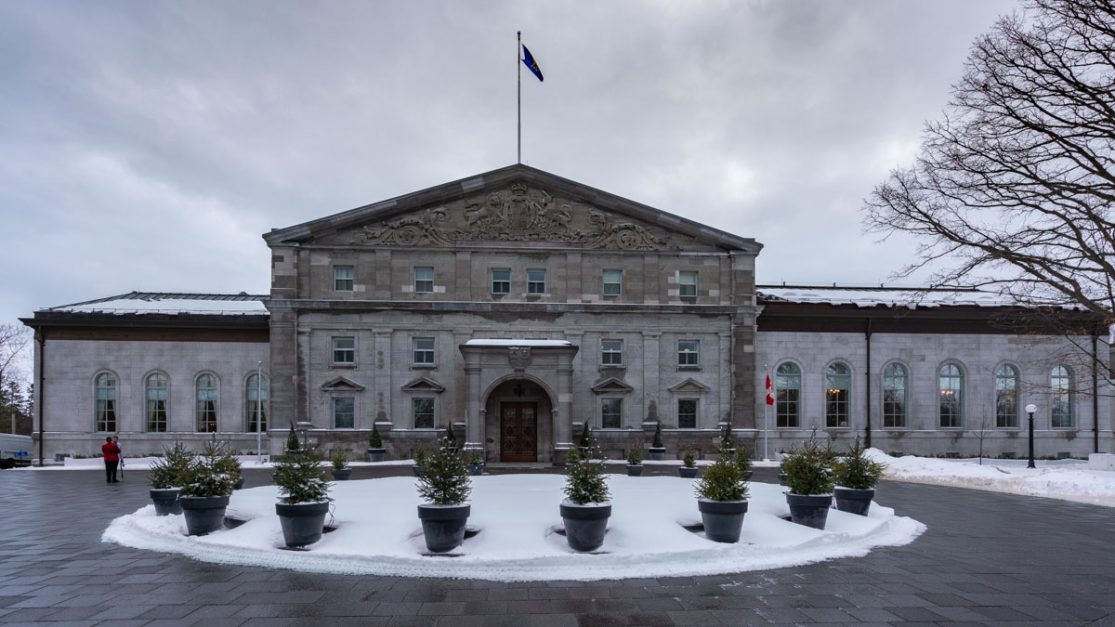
x=445, y=479
x=809, y=469
x=585, y=480
x=856, y=471
x=301, y=477
x=722, y=482
x=292, y=443
x=207, y=475
x=689, y=459
x=170, y=471
x=657, y=441
x=375, y=440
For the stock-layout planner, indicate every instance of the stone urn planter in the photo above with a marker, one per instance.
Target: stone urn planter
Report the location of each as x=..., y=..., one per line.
x=852, y=500
x=475, y=468
x=443, y=525
x=204, y=514
x=687, y=472
x=341, y=475
x=376, y=454
x=634, y=470
x=856, y=476
x=748, y=474
x=723, y=520
x=239, y=483
x=166, y=502
x=656, y=454
x=811, y=510
x=303, y=523
x=585, y=525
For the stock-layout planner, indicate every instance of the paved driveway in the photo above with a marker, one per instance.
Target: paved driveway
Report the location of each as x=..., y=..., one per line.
x=986, y=559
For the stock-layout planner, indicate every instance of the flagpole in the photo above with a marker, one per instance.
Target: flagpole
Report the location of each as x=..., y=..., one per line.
x=519, y=98
x=766, y=416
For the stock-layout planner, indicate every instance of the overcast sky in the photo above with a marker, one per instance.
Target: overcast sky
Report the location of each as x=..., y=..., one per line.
x=147, y=145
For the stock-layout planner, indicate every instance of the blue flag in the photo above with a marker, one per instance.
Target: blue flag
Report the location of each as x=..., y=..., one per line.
x=532, y=65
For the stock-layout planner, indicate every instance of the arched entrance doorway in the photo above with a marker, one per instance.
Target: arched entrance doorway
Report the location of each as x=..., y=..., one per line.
x=518, y=413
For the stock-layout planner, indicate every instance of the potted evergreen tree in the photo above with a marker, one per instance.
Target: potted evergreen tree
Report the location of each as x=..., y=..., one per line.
x=727, y=440
x=475, y=462
x=635, y=462
x=809, y=477
x=205, y=490
x=445, y=485
x=722, y=500
x=375, y=445
x=167, y=476
x=688, y=468
x=586, y=508
x=855, y=477
x=341, y=470
x=230, y=464
x=657, y=449
x=304, y=496
x=420, y=455
x=292, y=443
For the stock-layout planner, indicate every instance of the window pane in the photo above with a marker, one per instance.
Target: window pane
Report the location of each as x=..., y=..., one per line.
x=342, y=278
x=423, y=350
x=156, y=403
x=687, y=284
x=1006, y=397
x=895, y=380
x=689, y=352
x=423, y=413
x=206, y=394
x=105, y=403
x=613, y=282
x=255, y=403
x=536, y=281
x=787, y=395
x=611, y=413
x=344, y=350
x=951, y=389
x=423, y=279
x=344, y=412
x=687, y=413
x=501, y=281
x=611, y=352
x=838, y=383
x=1060, y=384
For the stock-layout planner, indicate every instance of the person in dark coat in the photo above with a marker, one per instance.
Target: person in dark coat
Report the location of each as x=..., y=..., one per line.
x=112, y=459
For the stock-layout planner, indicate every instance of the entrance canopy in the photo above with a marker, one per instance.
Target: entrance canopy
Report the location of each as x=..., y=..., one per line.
x=493, y=343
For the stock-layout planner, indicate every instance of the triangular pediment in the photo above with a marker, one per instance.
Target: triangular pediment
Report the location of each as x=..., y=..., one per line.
x=689, y=386
x=422, y=384
x=611, y=385
x=511, y=206
x=341, y=384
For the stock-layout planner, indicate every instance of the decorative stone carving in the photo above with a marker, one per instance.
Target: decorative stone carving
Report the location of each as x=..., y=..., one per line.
x=519, y=357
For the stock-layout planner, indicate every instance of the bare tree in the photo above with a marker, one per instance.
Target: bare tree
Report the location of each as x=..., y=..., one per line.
x=13, y=339
x=1014, y=187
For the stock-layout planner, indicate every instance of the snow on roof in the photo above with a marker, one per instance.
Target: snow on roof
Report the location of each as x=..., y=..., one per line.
x=170, y=303
x=909, y=297
x=537, y=343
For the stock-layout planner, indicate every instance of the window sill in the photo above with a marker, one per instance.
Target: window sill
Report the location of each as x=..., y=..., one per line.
x=423, y=366
x=613, y=367
x=689, y=367
x=343, y=366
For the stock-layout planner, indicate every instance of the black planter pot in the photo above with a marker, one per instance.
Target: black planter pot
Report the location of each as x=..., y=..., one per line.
x=657, y=454
x=634, y=470
x=166, y=501
x=443, y=525
x=476, y=468
x=302, y=523
x=585, y=525
x=722, y=519
x=747, y=475
x=853, y=501
x=376, y=454
x=239, y=483
x=342, y=474
x=687, y=473
x=204, y=514
x=417, y=470
x=811, y=510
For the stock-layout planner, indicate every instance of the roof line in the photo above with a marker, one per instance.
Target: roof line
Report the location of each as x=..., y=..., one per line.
x=871, y=288
x=137, y=295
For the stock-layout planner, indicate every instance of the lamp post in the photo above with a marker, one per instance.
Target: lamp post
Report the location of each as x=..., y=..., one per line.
x=1030, y=409
x=259, y=412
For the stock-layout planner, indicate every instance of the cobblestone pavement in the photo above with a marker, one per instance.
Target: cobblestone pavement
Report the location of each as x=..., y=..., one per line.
x=986, y=559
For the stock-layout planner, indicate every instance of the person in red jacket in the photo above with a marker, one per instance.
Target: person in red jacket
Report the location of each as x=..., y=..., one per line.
x=112, y=459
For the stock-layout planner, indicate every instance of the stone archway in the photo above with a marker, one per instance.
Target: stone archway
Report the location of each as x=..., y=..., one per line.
x=518, y=425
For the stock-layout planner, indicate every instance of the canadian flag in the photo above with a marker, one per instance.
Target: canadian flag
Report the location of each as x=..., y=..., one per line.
x=770, y=392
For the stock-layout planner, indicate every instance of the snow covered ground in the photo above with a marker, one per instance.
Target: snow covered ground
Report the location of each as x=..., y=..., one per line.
x=378, y=532
x=1068, y=479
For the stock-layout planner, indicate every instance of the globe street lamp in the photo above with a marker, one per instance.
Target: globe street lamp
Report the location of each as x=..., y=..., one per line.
x=1030, y=409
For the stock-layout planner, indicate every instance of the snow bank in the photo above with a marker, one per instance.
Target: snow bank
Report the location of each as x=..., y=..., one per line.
x=378, y=533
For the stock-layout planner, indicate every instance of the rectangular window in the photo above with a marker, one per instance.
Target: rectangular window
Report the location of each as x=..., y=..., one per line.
x=687, y=413
x=423, y=348
x=423, y=280
x=786, y=407
x=611, y=352
x=106, y=414
x=613, y=282
x=344, y=350
x=501, y=281
x=422, y=410
x=611, y=413
x=344, y=412
x=156, y=413
x=342, y=278
x=689, y=353
x=536, y=282
x=687, y=284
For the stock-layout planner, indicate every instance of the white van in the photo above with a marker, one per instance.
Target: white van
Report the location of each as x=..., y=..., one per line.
x=15, y=450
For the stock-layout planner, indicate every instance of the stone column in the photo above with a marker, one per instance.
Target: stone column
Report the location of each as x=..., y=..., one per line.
x=651, y=365
x=563, y=412
x=474, y=419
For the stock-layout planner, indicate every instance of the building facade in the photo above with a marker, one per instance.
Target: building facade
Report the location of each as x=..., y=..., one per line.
x=516, y=306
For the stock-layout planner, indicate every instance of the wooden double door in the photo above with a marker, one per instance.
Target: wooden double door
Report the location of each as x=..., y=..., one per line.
x=518, y=432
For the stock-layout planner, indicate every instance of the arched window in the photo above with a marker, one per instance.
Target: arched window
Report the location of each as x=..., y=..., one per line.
x=155, y=393
x=895, y=395
x=104, y=409
x=206, y=388
x=950, y=385
x=787, y=410
x=1061, y=397
x=1006, y=396
x=838, y=386
x=255, y=402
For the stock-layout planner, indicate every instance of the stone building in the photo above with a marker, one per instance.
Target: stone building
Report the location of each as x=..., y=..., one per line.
x=516, y=305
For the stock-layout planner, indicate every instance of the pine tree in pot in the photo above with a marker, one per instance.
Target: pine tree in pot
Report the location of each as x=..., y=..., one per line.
x=688, y=468
x=206, y=487
x=727, y=440
x=419, y=455
x=230, y=465
x=475, y=462
x=445, y=485
x=856, y=477
x=375, y=445
x=722, y=500
x=304, y=496
x=586, y=508
x=341, y=470
x=809, y=477
x=292, y=443
x=635, y=462
x=167, y=477
x=657, y=448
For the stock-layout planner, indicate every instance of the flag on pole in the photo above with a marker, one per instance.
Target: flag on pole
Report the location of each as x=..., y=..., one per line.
x=532, y=65
x=770, y=392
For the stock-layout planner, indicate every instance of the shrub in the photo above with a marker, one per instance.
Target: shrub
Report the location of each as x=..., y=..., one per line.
x=227, y=462
x=301, y=477
x=449, y=439
x=809, y=470
x=657, y=441
x=420, y=455
x=722, y=482
x=635, y=456
x=207, y=473
x=727, y=440
x=444, y=479
x=585, y=481
x=856, y=471
x=339, y=458
x=587, y=441
x=374, y=440
x=292, y=443
x=170, y=471
x=689, y=459
x=743, y=460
